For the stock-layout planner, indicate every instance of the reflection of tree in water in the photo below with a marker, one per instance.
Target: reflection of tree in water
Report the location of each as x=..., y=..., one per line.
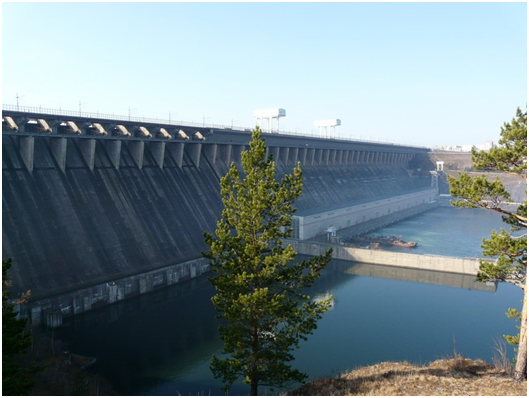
x=331, y=278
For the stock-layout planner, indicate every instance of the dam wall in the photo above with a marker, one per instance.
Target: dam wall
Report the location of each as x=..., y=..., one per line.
x=355, y=215
x=89, y=220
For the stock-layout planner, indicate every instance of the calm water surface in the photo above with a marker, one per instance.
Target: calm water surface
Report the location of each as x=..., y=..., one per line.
x=162, y=343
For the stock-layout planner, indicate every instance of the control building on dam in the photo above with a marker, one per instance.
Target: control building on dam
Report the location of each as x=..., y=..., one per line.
x=96, y=210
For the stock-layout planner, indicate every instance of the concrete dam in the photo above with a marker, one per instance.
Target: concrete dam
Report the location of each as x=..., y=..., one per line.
x=96, y=210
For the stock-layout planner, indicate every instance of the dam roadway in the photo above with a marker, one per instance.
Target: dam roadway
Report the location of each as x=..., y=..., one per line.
x=96, y=210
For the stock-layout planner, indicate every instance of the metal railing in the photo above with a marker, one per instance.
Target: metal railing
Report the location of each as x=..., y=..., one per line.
x=108, y=116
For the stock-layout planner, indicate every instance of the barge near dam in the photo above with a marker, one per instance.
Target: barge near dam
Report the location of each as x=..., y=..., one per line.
x=97, y=209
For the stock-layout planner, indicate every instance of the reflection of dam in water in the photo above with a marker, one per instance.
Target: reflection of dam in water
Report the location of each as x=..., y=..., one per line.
x=412, y=275
x=331, y=277
x=161, y=343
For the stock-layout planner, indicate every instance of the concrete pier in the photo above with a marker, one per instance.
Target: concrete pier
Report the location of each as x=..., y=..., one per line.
x=466, y=266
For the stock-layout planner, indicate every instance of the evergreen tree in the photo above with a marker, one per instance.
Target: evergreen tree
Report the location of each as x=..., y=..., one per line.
x=16, y=380
x=259, y=289
x=514, y=340
x=511, y=251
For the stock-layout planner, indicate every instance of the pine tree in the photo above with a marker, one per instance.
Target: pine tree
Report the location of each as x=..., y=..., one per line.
x=16, y=380
x=259, y=287
x=511, y=251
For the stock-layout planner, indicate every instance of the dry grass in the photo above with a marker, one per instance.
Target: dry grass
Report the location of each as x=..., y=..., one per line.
x=500, y=360
x=449, y=377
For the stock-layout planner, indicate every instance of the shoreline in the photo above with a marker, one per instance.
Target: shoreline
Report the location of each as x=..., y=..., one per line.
x=64, y=372
x=455, y=376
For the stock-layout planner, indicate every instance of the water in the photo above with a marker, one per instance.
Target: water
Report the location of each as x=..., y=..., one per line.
x=162, y=343
x=446, y=231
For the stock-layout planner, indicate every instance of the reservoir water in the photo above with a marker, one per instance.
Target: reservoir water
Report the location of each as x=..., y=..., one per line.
x=161, y=343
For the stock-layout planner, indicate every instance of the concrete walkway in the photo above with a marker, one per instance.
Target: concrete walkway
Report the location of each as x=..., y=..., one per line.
x=467, y=266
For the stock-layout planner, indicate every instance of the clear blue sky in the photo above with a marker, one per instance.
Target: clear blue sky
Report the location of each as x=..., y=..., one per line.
x=421, y=73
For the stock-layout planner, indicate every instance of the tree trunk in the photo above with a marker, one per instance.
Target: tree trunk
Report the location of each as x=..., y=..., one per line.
x=253, y=387
x=520, y=370
x=253, y=374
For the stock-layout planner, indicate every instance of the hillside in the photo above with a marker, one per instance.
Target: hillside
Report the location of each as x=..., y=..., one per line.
x=455, y=162
x=461, y=161
x=450, y=377
x=514, y=184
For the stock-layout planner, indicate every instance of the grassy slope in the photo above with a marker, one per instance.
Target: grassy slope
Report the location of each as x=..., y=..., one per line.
x=449, y=377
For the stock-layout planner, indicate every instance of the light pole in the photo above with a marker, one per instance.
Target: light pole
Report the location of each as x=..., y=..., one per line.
x=170, y=114
x=131, y=109
x=18, y=98
x=80, y=105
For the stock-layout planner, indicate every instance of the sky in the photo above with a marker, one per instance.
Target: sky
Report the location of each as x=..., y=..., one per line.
x=411, y=73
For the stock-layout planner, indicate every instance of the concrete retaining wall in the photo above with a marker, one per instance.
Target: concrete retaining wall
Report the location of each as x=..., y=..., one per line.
x=468, y=266
x=50, y=311
x=317, y=221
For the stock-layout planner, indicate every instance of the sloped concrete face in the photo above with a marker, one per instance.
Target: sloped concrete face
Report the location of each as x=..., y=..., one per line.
x=93, y=221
